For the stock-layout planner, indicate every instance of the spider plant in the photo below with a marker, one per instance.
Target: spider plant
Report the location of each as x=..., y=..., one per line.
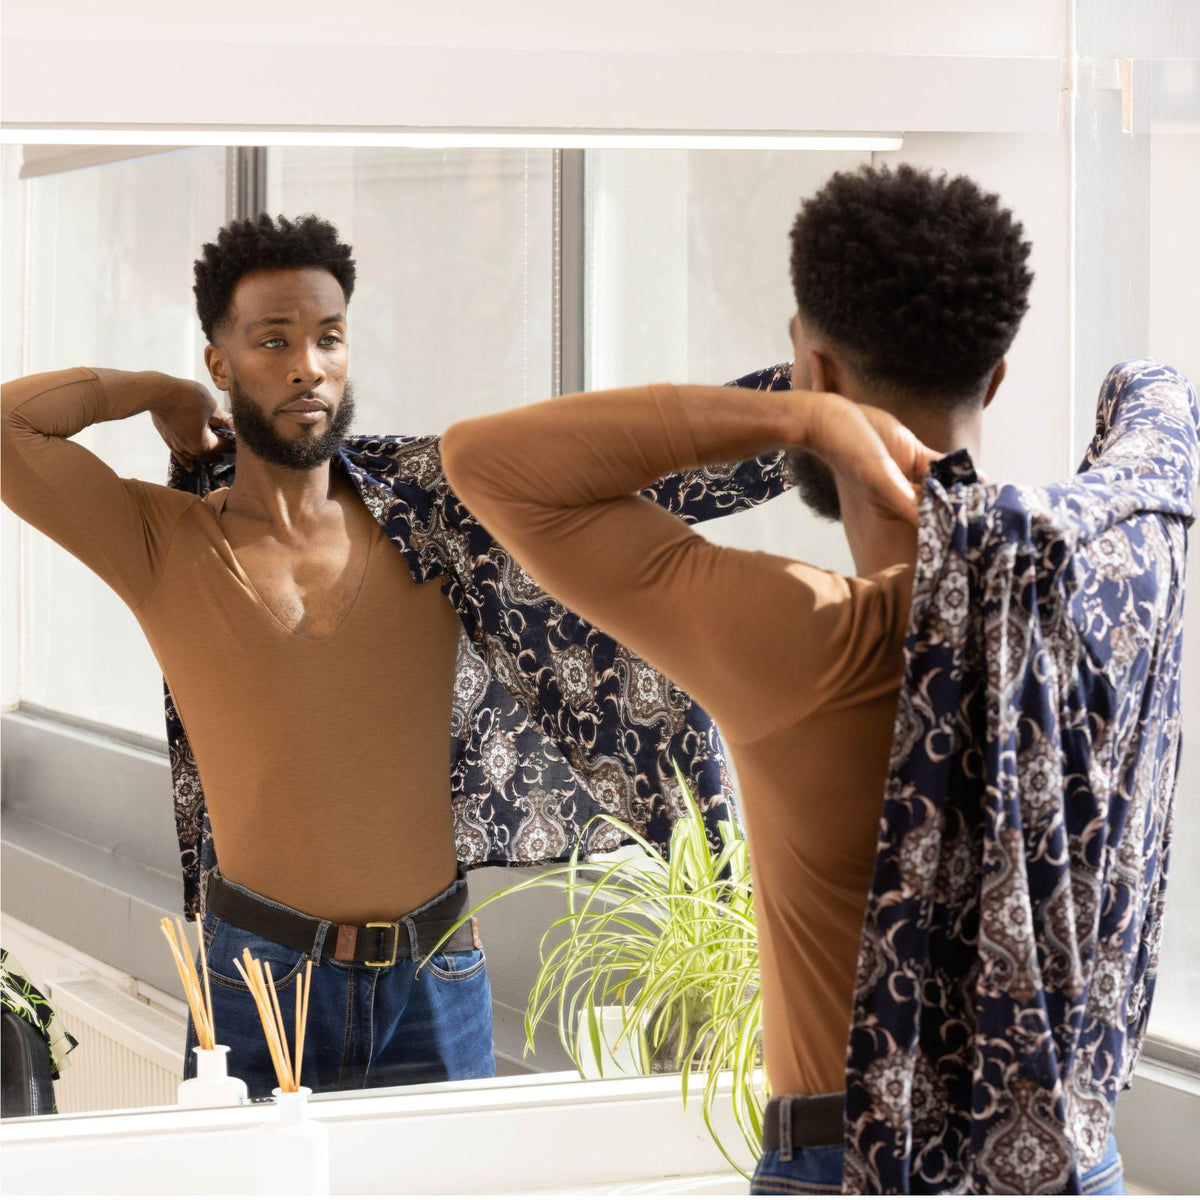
x=671, y=942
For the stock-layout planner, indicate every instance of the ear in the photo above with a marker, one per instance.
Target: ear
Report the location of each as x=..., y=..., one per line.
x=218, y=367
x=822, y=372
x=996, y=380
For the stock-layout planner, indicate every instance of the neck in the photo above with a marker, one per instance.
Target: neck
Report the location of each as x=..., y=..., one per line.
x=282, y=497
x=878, y=542
x=955, y=431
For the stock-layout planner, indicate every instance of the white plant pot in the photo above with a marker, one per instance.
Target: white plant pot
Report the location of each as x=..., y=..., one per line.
x=292, y=1151
x=621, y=1061
x=213, y=1086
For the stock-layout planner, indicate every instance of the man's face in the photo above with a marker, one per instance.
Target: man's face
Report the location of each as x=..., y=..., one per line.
x=282, y=355
x=814, y=480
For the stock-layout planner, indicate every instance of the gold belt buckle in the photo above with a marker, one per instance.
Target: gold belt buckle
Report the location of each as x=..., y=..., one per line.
x=394, y=926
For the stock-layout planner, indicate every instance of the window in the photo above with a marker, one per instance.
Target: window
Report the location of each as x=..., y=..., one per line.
x=108, y=278
x=452, y=310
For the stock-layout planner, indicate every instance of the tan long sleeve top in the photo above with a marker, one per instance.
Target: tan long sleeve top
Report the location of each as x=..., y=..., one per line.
x=799, y=666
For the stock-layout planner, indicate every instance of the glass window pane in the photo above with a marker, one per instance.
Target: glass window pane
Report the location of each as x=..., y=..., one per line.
x=108, y=283
x=1137, y=255
x=452, y=309
x=687, y=279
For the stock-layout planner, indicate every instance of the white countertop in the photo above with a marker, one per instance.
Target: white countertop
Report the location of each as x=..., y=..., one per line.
x=542, y=1134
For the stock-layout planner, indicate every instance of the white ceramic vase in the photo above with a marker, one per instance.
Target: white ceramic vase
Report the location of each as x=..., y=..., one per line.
x=292, y=1150
x=213, y=1086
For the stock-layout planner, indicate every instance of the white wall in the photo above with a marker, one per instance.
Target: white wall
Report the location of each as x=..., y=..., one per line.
x=760, y=65
x=715, y=224
x=1027, y=429
x=1174, y=336
x=1019, y=27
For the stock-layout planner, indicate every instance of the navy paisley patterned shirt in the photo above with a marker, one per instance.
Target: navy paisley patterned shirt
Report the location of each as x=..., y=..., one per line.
x=1010, y=946
x=553, y=722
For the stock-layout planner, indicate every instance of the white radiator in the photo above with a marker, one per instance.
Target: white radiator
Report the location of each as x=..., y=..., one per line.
x=129, y=1054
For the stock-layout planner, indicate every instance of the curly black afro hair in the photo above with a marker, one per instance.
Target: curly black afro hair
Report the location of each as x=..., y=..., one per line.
x=920, y=279
x=265, y=243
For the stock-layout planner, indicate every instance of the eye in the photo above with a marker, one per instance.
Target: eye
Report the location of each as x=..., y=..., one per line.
x=271, y=343
x=331, y=339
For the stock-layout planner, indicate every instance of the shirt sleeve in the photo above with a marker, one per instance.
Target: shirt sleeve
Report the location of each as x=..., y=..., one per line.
x=718, y=490
x=759, y=640
x=120, y=528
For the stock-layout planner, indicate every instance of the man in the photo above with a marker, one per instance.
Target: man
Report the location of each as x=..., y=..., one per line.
x=314, y=678
x=909, y=291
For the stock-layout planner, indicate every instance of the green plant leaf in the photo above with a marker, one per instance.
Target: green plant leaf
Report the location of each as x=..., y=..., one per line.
x=671, y=942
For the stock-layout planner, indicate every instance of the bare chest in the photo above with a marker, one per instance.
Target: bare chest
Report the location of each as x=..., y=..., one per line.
x=309, y=586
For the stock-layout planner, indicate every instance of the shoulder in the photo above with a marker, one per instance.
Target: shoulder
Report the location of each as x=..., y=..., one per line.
x=413, y=460
x=159, y=499
x=164, y=510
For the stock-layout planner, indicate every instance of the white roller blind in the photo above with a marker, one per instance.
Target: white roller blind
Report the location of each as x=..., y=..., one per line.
x=51, y=160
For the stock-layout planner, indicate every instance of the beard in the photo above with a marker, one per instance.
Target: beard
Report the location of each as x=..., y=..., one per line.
x=257, y=434
x=815, y=483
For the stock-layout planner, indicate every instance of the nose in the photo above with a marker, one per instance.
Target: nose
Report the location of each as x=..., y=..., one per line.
x=305, y=370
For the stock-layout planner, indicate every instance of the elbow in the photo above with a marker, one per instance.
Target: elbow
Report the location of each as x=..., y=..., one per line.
x=11, y=395
x=14, y=395
x=9, y=426
x=462, y=452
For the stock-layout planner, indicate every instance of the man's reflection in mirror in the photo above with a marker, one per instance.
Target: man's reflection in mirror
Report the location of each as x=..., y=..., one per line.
x=306, y=593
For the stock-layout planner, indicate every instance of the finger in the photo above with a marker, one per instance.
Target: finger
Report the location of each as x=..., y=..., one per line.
x=926, y=457
x=220, y=438
x=216, y=445
x=911, y=454
x=896, y=493
x=889, y=473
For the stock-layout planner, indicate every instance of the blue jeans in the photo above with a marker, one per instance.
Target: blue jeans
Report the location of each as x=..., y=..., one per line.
x=368, y=1027
x=817, y=1171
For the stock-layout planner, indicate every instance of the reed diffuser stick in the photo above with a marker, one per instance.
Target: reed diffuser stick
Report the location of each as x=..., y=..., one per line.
x=270, y=1028
x=191, y=969
x=287, y=1058
x=299, y=1001
x=204, y=967
x=303, y=1017
x=270, y=1014
x=268, y=1021
x=199, y=1002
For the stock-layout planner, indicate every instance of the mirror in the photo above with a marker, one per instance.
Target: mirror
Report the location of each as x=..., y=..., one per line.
x=467, y=300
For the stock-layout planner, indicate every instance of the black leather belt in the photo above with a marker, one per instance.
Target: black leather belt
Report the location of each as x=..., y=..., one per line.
x=375, y=944
x=793, y=1121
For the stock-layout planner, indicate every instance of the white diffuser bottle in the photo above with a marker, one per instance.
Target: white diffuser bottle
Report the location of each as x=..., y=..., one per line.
x=292, y=1149
x=213, y=1086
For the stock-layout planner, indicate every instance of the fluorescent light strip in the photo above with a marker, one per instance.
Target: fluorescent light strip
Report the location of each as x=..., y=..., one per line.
x=561, y=139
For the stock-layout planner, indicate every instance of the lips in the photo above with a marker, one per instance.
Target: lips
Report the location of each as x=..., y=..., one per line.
x=305, y=406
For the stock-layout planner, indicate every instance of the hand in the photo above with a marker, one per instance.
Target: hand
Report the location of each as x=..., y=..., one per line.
x=188, y=419
x=869, y=449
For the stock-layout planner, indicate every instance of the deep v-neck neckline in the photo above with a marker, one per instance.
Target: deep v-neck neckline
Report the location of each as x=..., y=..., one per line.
x=244, y=577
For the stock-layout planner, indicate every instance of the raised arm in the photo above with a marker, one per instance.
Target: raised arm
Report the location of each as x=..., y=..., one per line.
x=70, y=494
x=554, y=483
x=719, y=489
